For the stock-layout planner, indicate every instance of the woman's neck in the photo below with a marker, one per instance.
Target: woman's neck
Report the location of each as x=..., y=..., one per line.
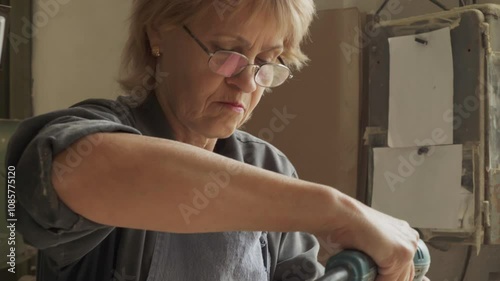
x=183, y=133
x=193, y=139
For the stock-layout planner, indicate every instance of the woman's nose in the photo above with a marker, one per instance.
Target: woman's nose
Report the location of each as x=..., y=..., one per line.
x=245, y=80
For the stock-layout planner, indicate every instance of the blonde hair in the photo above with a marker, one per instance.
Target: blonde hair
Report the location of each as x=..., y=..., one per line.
x=293, y=17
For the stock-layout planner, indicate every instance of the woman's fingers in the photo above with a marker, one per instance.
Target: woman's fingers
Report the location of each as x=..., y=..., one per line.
x=401, y=273
x=389, y=241
x=391, y=277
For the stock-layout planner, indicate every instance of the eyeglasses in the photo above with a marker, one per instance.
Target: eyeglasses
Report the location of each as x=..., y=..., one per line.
x=230, y=64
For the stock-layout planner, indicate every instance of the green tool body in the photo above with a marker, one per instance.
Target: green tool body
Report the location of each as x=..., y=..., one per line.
x=352, y=265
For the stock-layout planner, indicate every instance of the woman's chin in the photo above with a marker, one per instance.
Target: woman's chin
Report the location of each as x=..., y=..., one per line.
x=222, y=132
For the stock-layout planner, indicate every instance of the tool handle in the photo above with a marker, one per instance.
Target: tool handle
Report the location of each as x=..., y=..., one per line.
x=336, y=274
x=358, y=265
x=353, y=265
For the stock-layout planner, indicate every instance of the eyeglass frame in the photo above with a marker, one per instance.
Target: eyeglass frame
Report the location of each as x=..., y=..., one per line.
x=211, y=54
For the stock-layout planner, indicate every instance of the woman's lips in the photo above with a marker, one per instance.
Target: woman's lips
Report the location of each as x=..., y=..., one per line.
x=234, y=106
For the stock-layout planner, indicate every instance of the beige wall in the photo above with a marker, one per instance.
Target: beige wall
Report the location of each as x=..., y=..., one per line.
x=76, y=50
x=362, y=5
x=321, y=140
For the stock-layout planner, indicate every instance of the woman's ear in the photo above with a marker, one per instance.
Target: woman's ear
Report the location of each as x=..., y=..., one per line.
x=154, y=36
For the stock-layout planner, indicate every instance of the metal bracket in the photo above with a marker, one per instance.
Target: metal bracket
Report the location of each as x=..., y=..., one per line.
x=485, y=209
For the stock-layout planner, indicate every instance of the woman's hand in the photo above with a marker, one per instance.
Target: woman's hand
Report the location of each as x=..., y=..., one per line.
x=390, y=242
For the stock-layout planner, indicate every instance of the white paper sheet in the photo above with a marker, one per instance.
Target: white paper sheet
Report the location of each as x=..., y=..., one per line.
x=2, y=32
x=421, y=89
x=424, y=190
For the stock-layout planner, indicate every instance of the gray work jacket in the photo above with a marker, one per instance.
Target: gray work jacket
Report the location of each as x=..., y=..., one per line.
x=73, y=248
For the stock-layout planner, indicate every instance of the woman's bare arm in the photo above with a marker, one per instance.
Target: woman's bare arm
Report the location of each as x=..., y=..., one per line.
x=141, y=182
x=150, y=183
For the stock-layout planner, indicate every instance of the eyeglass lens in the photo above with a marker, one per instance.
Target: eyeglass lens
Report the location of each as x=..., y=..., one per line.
x=229, y=64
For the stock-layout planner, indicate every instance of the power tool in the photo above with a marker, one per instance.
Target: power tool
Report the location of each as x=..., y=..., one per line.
x=352, y=265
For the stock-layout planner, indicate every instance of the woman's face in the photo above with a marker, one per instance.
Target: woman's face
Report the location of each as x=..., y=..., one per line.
x=196, y=99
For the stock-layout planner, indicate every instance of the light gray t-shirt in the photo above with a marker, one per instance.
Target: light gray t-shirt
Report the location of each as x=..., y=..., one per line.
x=73, y=248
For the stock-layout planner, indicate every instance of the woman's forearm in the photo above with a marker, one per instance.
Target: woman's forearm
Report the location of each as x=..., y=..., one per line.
x=149, y=183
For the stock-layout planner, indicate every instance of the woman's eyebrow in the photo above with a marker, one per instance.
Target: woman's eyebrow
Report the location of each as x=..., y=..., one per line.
x=277, y=47
x=244, y=43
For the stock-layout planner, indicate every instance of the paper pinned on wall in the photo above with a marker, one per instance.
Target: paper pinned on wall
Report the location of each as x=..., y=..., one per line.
x=2, y=34
x=421, y=89
x=423, y=189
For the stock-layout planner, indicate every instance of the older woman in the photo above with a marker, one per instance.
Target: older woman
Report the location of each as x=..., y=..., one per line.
x=160, y=184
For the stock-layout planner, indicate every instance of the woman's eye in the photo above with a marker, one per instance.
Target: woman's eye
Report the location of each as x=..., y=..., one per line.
x=220, y=47
x=267, y=60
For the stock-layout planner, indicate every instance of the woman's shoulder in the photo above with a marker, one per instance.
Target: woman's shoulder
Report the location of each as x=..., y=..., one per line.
x=247, y=139
x=120, y=108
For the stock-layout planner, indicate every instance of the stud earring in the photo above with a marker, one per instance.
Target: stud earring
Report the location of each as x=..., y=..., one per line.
x=155, y=51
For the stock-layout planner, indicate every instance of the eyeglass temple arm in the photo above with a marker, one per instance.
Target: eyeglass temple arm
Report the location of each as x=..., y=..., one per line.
x=283, y=63
x=197, y=40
